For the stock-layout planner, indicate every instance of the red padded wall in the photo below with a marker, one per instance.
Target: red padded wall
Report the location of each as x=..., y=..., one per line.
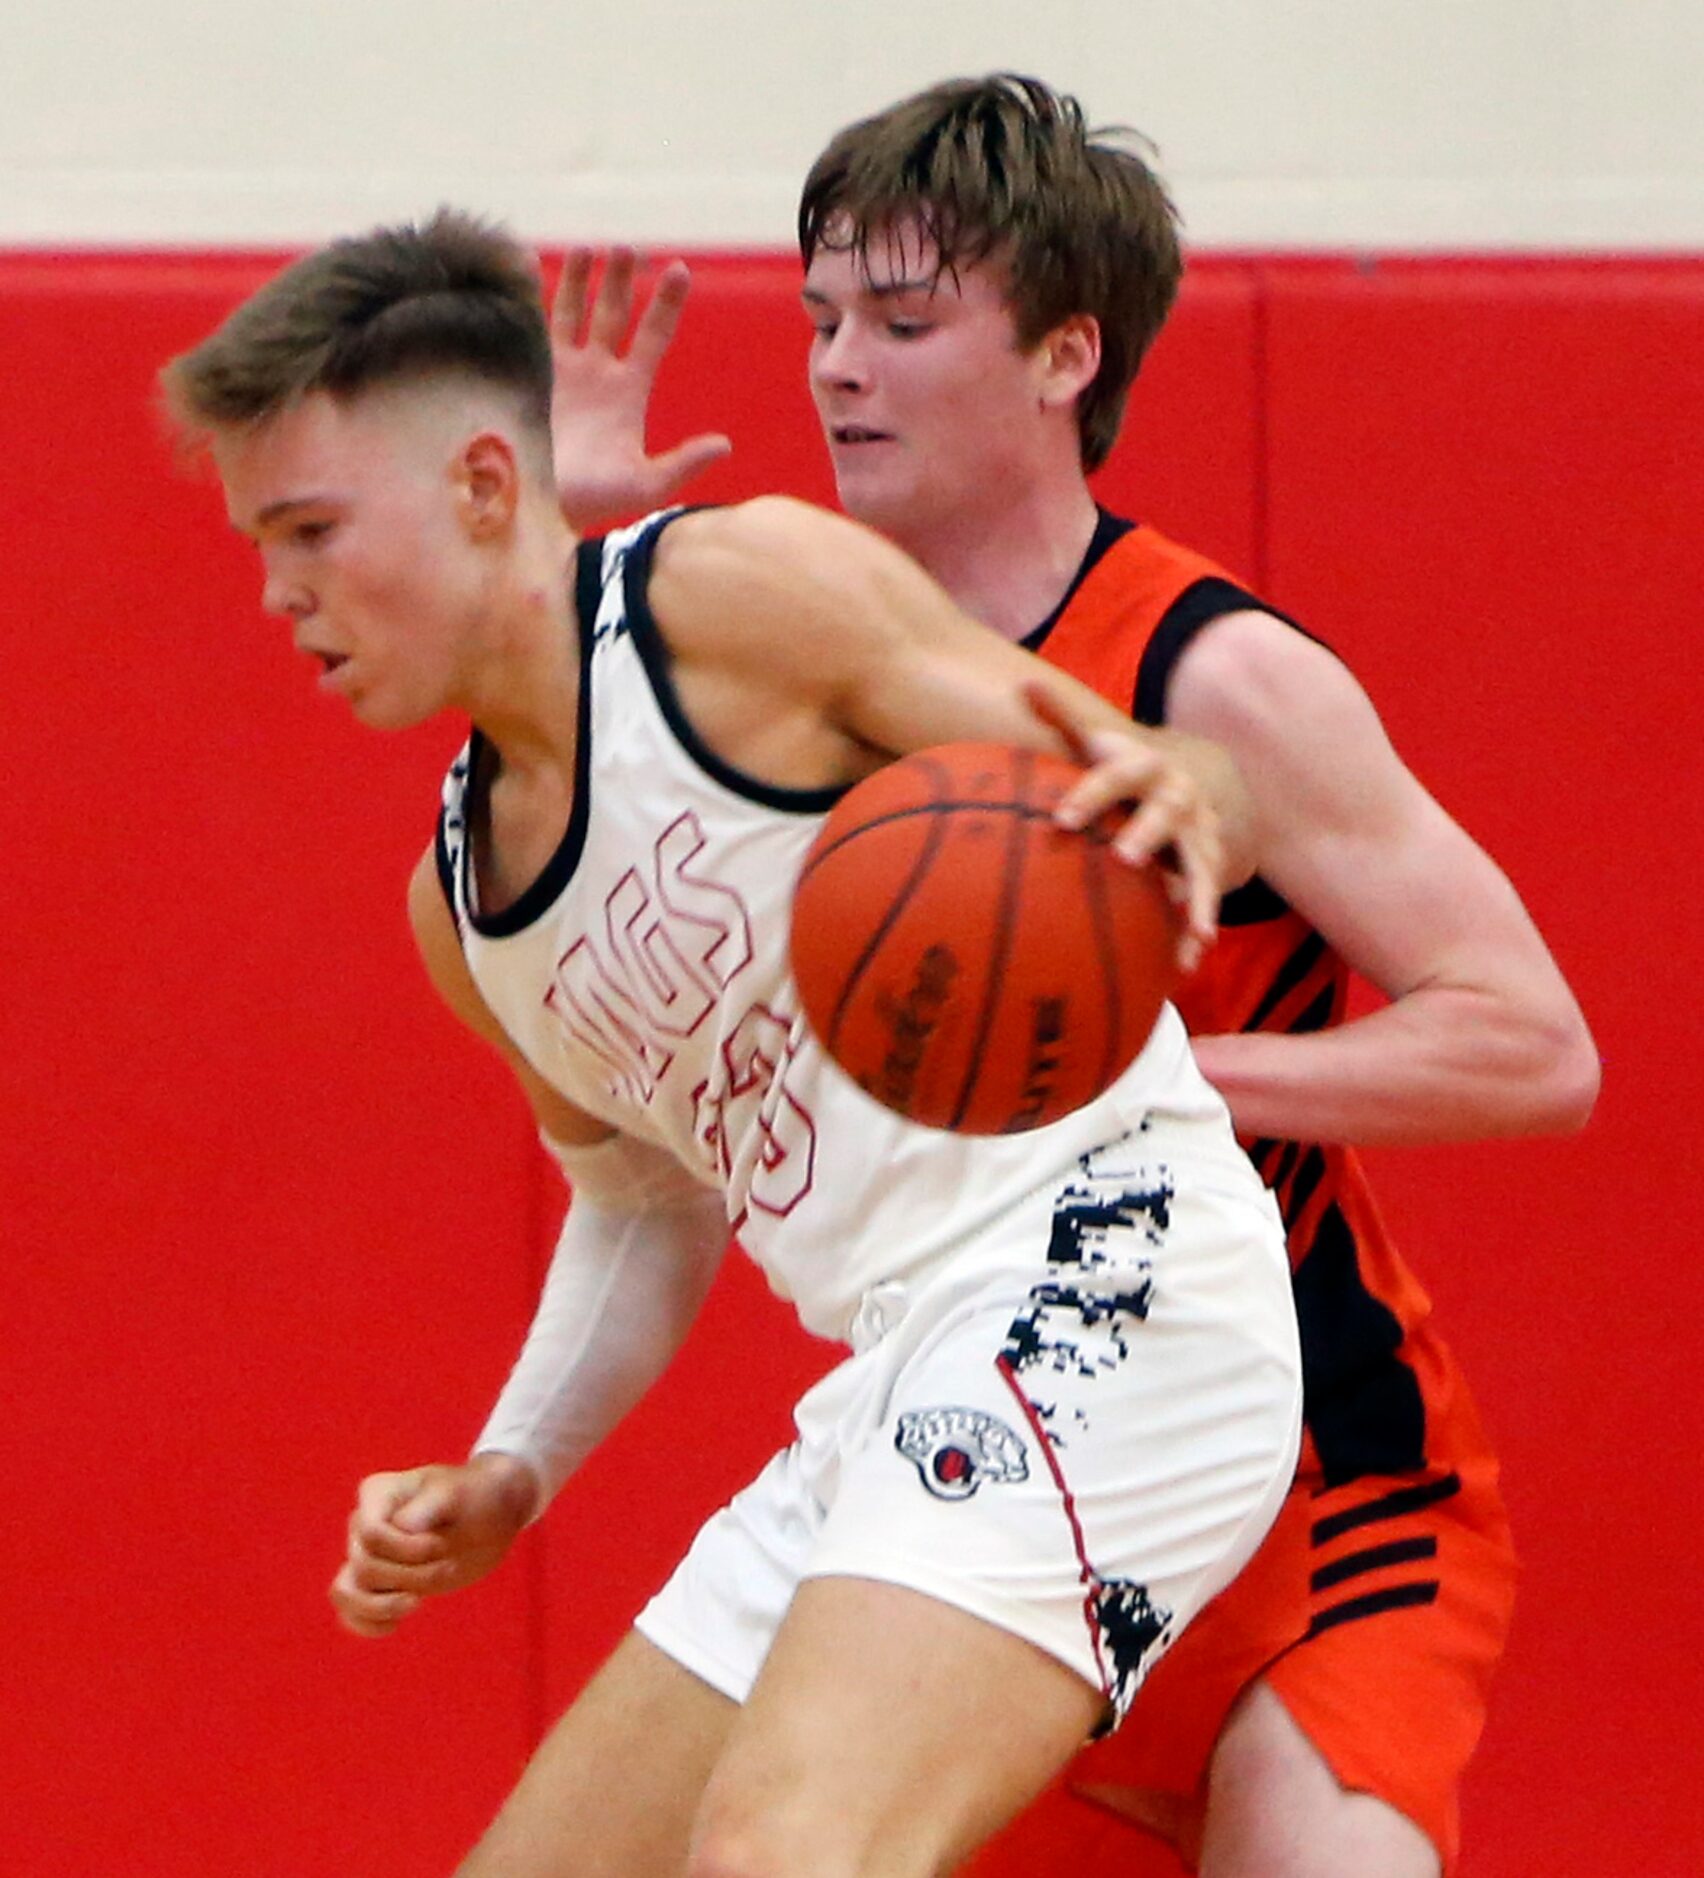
x=264, y=1217
x=270, y=1222
x=1484, y=486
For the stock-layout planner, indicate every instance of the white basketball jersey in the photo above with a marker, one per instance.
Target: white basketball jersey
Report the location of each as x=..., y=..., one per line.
x=644, y=974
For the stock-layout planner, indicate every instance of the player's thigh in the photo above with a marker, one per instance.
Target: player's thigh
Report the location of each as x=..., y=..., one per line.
x=613, y=1788
x=888, y=1733
x=1275, y=1809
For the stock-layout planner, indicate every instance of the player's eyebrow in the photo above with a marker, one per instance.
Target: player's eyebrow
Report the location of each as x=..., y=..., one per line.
x=276, y=511
x=876, y=289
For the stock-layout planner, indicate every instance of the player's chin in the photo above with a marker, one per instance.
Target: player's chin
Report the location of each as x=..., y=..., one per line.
x=379, y=709
x=872, y=494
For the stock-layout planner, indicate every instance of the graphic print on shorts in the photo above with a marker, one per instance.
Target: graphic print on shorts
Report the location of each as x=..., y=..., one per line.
x=957, y=1449
x=1076, y=1328
x=1133, y=1628
x=1078, y=1323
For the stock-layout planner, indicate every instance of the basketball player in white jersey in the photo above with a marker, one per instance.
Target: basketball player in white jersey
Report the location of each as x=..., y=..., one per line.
x=1070, y=1402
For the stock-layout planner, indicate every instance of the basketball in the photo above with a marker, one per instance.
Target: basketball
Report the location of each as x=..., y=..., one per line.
x=969, y=963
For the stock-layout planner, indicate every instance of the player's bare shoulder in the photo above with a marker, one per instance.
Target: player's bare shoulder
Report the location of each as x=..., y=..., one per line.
x=775, y=584
x=1250, y=678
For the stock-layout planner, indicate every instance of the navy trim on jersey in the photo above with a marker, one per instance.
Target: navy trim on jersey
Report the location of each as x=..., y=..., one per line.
x=1211, y=597
x=538, y=898
x=446, y=876
x=1108, y=529
x=1201, y=602
x=657, y=659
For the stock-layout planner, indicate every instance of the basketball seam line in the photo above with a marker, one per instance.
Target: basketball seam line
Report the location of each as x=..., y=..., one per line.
x=919, y=868
x=1017, y=843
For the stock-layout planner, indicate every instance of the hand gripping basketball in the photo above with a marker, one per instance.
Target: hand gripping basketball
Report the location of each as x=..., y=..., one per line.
x=967, y=961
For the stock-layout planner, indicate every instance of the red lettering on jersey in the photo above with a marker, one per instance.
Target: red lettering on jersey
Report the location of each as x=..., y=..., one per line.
x=666, y=959
x=723, y=945
x=747, y=1091
x=600, y=1017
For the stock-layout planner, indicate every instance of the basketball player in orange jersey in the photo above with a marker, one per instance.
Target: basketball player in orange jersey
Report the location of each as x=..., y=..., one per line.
x=1317, y=1719
x=1070, y=1405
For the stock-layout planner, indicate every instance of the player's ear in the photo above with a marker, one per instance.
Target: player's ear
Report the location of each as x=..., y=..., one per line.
x=1067, y=359
x=488, y=484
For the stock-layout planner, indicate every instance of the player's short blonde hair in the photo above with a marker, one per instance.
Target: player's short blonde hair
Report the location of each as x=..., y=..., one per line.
x=451, y=295
x=1004, y=167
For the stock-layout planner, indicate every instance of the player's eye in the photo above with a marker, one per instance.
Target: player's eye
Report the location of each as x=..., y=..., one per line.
x=307, y=534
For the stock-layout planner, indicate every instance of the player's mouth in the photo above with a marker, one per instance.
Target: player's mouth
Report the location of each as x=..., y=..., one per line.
x=331, y=663
x=854, y=434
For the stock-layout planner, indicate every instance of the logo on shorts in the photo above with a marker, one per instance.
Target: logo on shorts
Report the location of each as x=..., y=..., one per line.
x=956, y=1449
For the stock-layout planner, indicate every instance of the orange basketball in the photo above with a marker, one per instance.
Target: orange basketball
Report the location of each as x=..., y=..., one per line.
x=965, y=960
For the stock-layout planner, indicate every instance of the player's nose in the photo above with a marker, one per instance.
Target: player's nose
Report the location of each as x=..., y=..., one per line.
x=285, y=598
x=840, y=361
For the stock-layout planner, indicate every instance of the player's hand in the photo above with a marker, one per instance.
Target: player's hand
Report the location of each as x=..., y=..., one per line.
x=1184, y=795
x=597, y=410
x=425, y=1531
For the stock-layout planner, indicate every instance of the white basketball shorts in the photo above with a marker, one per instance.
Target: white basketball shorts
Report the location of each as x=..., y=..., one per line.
x=1078, y=1428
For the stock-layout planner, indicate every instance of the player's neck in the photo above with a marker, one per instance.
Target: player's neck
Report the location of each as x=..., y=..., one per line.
x=522, y=687
x=1010, y=563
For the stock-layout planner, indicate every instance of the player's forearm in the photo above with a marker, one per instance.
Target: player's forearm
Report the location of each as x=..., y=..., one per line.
x=1441, y=1064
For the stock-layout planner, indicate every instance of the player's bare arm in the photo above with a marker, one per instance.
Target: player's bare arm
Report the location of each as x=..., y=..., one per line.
x=603, y=469
x=1482, y=1036
x=817, y=651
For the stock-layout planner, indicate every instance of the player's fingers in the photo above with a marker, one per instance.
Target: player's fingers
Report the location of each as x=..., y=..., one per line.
x=375, y=1575
x=1127, y=778
x=661, y=316
x=430, y=1506
x=368, y=1614
x=1169, y=810
x=674, y=469
x=393, y=1546
x=1194, y=861
x=612, y=310
x=568, y=307
x=380, y=1494
x=372, y=1526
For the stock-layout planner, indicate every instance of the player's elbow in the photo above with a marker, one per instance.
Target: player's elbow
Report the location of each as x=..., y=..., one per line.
x=1562, y=1086
x=1577, y=1078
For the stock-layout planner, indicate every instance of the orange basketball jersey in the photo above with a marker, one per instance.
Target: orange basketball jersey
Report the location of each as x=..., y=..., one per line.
x=1376, y=1380
x=1378, y=1606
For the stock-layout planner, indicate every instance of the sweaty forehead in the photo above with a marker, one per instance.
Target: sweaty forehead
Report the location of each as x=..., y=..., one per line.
x=895, y=258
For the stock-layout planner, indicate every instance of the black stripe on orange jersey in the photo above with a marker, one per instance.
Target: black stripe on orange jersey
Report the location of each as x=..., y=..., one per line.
x=1252, y=904
x=1387, y=1506
x=1395, y=1598
x=1200, y=603
x=1373, y=1558
x=1294, y=969
x=1364, y=1408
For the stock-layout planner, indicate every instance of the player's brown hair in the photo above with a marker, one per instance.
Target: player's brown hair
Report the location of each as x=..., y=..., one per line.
x=1006, y=167
x=452, y=294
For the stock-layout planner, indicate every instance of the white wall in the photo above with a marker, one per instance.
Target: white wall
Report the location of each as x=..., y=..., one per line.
x=1392, y=123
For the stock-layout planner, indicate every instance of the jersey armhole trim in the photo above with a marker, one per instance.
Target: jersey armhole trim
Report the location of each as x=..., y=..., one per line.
x=1200, y=603
x=658, y=661
x=546, y=888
